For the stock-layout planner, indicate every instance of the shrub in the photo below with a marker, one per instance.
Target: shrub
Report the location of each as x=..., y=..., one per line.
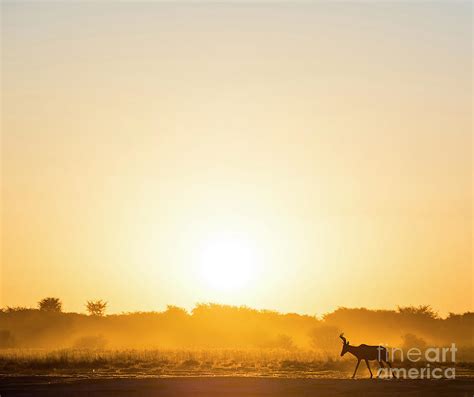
x=50, y=305
x=96, y=308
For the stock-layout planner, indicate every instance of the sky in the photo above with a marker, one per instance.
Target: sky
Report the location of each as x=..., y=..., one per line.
x=289, y=156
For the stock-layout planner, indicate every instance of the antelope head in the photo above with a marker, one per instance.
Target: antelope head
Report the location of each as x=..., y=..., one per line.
x=345, y=344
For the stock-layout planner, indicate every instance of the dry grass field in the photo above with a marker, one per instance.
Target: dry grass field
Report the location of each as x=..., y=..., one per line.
x=207, y=373
x=203, y=362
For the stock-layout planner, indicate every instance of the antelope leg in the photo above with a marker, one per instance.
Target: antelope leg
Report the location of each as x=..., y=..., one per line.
x=381, y=369
x=368, y=367
x=357, y=366
x=391, y=371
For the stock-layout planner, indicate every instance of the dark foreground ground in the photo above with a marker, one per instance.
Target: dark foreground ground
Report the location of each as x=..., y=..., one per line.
x=231, y=386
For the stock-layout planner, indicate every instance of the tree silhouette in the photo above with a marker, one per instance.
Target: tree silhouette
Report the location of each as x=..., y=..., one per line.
x=50, y=305
x=96, y=308
x=420, y=311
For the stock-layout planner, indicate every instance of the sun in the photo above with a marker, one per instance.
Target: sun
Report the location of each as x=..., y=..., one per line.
x=227, y=263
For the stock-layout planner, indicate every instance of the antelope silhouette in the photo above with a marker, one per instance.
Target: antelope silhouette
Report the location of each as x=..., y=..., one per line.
x=366, y=353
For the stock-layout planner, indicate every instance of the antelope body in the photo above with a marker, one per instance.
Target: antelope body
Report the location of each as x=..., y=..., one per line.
x=366, y=353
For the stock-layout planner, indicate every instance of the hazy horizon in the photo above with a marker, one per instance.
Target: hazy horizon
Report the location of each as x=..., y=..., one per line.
x=189, y=309
x=292, y=157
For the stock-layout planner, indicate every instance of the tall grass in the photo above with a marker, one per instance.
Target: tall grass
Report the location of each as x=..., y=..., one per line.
x=257, y=362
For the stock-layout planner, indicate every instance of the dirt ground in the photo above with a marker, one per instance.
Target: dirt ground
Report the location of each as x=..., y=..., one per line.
x=15, y=386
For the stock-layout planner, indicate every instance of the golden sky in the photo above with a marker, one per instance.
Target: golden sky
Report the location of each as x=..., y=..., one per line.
x=297, y=157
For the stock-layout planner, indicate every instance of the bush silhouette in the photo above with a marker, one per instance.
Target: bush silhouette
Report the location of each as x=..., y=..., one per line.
x=96, y=308
x=50, y=305
x=422, y=311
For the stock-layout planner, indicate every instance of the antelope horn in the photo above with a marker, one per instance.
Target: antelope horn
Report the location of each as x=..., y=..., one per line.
x=342, y=337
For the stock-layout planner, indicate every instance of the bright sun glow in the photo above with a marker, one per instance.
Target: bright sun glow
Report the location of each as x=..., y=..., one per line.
x=227, y=263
